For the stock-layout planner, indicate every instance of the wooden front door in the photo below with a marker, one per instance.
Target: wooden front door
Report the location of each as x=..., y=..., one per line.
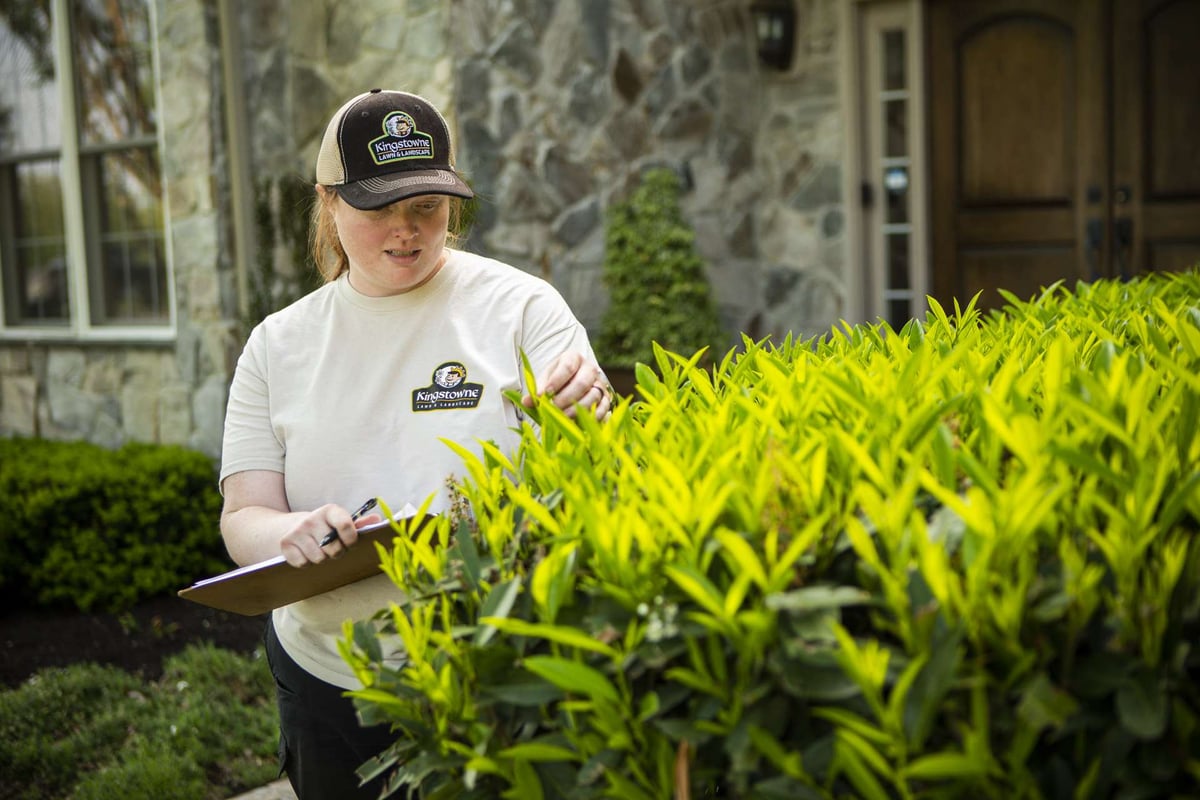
x=1064, y=142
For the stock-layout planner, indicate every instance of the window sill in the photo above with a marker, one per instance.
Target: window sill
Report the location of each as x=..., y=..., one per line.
x=100, y=336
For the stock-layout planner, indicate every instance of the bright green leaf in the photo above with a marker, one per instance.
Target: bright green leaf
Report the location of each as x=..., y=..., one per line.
x=562, y=634
x=572, y=676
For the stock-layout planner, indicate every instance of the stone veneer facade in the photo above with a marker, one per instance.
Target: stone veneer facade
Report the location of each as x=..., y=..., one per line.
x=558, y=106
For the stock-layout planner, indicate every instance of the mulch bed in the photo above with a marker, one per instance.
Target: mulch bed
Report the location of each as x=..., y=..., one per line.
x=136, y=640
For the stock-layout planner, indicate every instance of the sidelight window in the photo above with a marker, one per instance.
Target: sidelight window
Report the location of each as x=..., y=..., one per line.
x=894, y=275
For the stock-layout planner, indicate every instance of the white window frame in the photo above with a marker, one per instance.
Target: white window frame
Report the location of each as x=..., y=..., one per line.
x=862, y=24
x=80, y=326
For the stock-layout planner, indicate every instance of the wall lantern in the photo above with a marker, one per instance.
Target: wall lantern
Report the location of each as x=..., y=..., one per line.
x=774, y=31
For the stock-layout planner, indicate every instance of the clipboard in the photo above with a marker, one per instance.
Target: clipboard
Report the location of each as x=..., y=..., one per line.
x=258, y=588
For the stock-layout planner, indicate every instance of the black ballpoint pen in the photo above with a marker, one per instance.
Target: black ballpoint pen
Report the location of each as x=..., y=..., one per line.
x=332, y=536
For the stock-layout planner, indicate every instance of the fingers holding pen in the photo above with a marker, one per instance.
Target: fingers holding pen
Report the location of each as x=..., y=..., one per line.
x=325, y=533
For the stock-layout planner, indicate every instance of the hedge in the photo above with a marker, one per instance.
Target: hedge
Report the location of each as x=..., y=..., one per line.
x=87, y=527
x=958, y=559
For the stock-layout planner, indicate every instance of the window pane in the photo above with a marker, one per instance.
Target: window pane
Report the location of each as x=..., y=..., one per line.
x=897, y=261
x=132, y=283
x=896, y=136
x=35, y=266
x=29, y=118
x=893, y=60
x=115, y=69
x=895, y=184
x=898, y=313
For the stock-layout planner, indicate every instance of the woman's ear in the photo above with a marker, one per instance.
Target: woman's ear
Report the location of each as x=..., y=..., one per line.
x=327, y=200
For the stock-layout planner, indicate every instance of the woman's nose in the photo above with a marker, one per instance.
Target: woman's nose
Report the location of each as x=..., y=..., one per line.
x=402, y=222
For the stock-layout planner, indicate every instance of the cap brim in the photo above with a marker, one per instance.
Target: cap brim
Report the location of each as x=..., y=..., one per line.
x=377, y=192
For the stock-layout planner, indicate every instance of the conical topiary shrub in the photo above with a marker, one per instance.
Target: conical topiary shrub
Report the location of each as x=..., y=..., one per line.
x=657, y=287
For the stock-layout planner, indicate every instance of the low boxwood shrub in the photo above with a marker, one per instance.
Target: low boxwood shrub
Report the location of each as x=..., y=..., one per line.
x=958, y=559
x=94, y=528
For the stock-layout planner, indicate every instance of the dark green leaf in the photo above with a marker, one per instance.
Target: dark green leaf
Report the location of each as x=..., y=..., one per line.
x=465, y=549
x=812, y=681
x=1099, y=674
x=681, y=730
x=1142, y=705
x=782, y=787
x=1045, y=705
x=522, y=688
x=936, y=678
x=499, y=603
x=594, y=768
x=381, y=763
x=366, y=638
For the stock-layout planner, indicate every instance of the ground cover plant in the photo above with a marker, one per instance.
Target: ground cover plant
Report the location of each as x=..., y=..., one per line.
x=958, y=559
x=204, y=731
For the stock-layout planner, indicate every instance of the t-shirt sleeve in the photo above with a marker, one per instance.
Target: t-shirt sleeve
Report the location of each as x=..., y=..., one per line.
x=551, y=329
x=250, y=441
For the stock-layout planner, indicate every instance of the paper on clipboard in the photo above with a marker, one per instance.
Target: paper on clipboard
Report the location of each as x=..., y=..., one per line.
x=258, y=588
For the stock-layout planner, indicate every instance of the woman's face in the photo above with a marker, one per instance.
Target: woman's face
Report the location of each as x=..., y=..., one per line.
x=396, y=248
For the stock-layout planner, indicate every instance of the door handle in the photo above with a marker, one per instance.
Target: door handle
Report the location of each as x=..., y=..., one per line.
x=1123, y=245
x=1093, y=244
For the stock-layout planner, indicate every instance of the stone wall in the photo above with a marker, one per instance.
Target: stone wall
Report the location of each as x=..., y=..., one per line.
x=558, y=107
x=561, y=105
x=195, y=166
x=299, y=63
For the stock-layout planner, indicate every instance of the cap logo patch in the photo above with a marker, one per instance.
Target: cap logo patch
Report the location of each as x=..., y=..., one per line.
x=401, y=141
x=448, y=389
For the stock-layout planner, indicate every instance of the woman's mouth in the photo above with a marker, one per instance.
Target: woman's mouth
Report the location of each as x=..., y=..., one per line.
x=402, y=253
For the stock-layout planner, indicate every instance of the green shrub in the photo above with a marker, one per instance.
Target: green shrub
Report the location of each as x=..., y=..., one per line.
x=205, y=731
x=960, y=559
x=658, y=291
x=102, y=529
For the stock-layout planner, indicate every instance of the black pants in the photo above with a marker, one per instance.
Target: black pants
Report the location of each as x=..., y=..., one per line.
x=321, y=743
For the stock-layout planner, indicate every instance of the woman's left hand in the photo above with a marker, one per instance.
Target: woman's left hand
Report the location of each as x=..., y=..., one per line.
x=572, y=380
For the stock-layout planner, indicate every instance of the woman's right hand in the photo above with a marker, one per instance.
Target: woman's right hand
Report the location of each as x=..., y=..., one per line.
x=257, y=524
x=302, y=546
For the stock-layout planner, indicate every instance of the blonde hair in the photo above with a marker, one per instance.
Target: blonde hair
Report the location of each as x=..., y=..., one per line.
x=327, y=251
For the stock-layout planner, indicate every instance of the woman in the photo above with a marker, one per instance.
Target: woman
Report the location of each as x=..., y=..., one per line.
x=349, y=393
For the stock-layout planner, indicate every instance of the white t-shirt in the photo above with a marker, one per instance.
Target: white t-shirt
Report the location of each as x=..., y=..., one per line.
x=349, y=397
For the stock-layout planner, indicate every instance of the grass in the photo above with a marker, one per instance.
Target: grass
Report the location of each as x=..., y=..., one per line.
x=205, y=731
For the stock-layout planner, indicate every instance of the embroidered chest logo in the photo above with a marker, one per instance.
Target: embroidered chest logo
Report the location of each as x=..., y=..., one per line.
x=401, y=140
x=449, y=389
